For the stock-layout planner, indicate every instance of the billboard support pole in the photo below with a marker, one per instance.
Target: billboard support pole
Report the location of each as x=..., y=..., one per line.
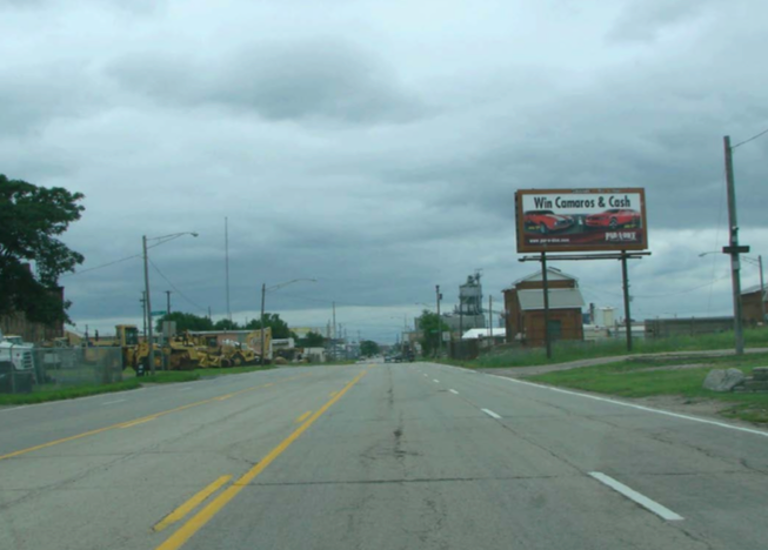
x=545, y=285
x=625, y=284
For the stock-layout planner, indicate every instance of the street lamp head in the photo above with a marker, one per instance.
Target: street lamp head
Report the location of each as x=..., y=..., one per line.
x=195, y=234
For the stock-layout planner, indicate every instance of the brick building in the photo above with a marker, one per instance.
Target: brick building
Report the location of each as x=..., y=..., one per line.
x=524, y=306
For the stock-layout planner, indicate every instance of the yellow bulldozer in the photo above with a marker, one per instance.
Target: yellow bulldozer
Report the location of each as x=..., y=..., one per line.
x=189, y=351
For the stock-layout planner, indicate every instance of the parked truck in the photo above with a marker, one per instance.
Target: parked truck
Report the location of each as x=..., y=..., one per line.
x=17, y=367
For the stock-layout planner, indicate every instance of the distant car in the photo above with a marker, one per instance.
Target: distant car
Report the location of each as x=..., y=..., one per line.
x=545, y=221
x=388, y=359
x=613, y=218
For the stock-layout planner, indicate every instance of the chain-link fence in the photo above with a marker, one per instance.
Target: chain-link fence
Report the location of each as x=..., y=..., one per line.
x=77, y=366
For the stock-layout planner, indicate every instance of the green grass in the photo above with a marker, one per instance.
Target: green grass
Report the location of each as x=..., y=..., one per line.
x=44, y=393
x=566, y=351
x=57, y=392
x=633, y=379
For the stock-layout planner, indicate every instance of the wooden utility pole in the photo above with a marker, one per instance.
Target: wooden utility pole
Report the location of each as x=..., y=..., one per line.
x=733, y=248
x=490, y=317
x=168, y=302
x=263, y=296
x=148, y=303
x=625, y=285
x=226, y=264
x=439, y=323
x=762, y=288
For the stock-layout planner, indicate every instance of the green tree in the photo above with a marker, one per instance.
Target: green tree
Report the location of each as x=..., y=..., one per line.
x=279, y=327
x=369, y=348
x=312, y=340
x=430, y=325
x=226, y=324
x=185, y=321
x=31, y=219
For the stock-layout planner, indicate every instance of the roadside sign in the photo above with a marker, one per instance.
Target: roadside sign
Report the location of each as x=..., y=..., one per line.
x=161, y=312
x=568, y=220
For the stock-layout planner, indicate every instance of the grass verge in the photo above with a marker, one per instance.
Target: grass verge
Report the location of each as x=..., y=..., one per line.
x=565, y=351
x=642, y=378
x=44, y=393
x=51, y=392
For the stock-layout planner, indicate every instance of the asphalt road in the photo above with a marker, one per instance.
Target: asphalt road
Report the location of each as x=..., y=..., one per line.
x=395, y=456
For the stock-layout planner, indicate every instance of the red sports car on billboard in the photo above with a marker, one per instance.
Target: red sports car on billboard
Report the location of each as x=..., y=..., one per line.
x=613, y=218
x=545, y=221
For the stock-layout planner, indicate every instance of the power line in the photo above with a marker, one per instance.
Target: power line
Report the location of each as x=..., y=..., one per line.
x=109, y=264
x=179, y=292
x=750, y=139
x=102, y=266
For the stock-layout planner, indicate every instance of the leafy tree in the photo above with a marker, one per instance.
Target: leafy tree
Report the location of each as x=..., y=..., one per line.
x=31, y=218
x=226, y=324
x=369, y=348
x=312, y=340
x=430, y=325
x=279, y=327
x=185, y=321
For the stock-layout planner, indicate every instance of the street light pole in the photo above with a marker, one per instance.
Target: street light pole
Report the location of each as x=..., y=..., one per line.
x=148, y=304
x=264, y=290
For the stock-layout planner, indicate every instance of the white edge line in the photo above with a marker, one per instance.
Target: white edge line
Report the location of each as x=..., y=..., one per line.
x=651, y=505
x=435, y=380
x=184, y=389
x=113, y=402
x=634, y=406
x=491, y=414
x=454, y=392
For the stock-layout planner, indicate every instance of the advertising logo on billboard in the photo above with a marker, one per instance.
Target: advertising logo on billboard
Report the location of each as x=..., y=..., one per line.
x=558, y=220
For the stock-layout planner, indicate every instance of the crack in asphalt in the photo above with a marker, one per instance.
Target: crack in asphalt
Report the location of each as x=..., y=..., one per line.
x=413, y=480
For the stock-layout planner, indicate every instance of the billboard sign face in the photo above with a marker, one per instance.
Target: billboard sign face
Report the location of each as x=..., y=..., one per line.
x=569, y=220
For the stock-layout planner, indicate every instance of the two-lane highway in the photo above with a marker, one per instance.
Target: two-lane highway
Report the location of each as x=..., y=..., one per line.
x=374, y=456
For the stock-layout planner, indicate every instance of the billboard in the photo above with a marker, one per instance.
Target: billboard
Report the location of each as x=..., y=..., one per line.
x=569, y=220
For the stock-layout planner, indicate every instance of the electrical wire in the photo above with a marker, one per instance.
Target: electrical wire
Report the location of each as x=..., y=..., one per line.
x=174, y=287
x=108, y=264
x=750, y=139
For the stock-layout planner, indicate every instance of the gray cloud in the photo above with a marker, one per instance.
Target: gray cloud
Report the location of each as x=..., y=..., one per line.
x=323, y=79
x=384, y=160
x=645, y=20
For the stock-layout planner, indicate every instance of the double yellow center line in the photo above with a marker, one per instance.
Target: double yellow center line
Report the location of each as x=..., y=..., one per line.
x=141, y=420
x=198, y=521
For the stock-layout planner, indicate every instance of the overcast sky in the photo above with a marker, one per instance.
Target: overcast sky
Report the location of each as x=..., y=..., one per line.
x=376, y=146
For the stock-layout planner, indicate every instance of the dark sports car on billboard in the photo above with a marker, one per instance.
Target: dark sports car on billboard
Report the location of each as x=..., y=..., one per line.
x=545, y=221
x=613, y=218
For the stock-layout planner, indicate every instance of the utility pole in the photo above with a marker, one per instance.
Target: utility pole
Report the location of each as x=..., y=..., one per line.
x=151, y=355
x=209, y=313
x=733, y=247
x=490, y=317
x=439, y=323
x=143, y=301
x=226, y=265
x=261, y=323
x=627, y=298
x=333, y=341
x=762, y=287
x=168, y=302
